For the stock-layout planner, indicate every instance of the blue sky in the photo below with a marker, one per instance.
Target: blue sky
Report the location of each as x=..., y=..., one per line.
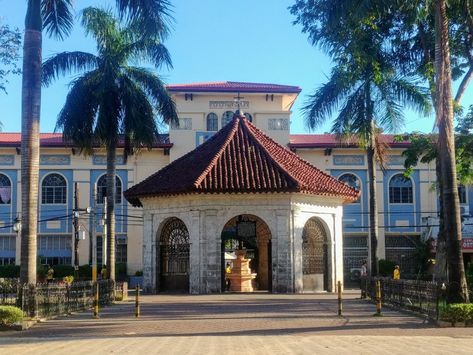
x=212, y=40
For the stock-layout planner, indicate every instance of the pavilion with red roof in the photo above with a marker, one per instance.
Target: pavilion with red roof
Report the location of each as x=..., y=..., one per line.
x=240, y=186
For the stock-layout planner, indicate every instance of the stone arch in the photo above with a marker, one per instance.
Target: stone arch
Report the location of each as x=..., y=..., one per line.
x=316, y=256
x=258, y=246
x=172, y=256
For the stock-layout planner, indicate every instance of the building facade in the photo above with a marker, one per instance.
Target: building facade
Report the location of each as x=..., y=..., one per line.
x=407, y=207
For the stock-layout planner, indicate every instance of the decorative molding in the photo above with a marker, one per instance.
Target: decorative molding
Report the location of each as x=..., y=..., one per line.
x=231, y=105
x=396, y=160
x=102, y=160
x=57, y=159
x=348, y=160
x=7, y=159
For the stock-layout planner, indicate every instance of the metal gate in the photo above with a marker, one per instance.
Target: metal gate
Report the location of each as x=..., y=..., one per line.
x=174, y=257
x=314, y=255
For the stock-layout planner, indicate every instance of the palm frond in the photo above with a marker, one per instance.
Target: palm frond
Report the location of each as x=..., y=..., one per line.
x=77, y=117
x=151, y=50
x=57, y=17
x=101, y=25
x=152, y=18
x=156, y=90
x=326, y=99
x=66, y=63
x=138, y=124
x=354, y=104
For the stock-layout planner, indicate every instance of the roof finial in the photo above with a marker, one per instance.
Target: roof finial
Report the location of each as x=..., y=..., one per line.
x=237, y=99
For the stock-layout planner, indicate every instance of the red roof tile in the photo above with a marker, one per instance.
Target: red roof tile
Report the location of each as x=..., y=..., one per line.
x=239, y=159
x=55, y=140
x=331, y=141
x=234, y=86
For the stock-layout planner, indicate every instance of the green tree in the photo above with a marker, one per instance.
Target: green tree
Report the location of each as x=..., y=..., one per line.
x=10, y=41
x=149, y=17
x=365, y=90
x=112, y=99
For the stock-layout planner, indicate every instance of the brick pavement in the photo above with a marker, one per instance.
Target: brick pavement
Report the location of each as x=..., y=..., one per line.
x=257, y=323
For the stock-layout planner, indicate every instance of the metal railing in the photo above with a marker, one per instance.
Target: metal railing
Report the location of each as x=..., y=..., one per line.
x=423, y=297
x=55, y=299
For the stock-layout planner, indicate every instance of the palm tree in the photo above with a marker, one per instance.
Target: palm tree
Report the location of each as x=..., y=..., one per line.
x=457, y=290
x=369, y=100
x=112, y=98
x=55, y=16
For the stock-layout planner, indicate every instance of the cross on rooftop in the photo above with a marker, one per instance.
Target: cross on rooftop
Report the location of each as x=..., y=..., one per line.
x=238, y=100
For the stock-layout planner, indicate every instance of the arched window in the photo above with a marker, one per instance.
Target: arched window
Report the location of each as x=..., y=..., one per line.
x=102, y=189
x=227, y=117
x=5, y=190
x=352, y=181
x=248, y=117
x=400, y=189
x=54, y=190
x=212, y=122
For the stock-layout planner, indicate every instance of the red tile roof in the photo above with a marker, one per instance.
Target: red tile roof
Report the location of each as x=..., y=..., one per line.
x=331, y=141
x=55, y=140
x=239, y=159
x=234, y=86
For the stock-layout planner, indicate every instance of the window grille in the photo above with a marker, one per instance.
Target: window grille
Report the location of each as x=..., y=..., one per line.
x=278, y=124
x=212, y=122
x=400, y=189
x=102, y=189
x=5, y=190
x=54, y=189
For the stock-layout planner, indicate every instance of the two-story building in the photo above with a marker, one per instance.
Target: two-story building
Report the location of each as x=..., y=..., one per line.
x=407, y=207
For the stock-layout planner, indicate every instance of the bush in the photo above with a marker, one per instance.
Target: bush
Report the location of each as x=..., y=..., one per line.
x=120, y=271
x=139, y=273
x=457, y=312
x=85, y=272
x=61, y=271
x=10, y=271
x=386, y=267
x=10, y=315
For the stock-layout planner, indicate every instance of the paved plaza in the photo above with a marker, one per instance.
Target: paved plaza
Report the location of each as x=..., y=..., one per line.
x=235, y=323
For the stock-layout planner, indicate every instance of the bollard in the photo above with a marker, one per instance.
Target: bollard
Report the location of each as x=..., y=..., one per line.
x=339, y=298
x=137, y=301
x=378, y=298
x=96, y=301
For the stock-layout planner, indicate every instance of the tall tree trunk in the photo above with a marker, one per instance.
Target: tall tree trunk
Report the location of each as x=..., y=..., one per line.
x=457, y=289
x=441, y=250
x=373, y=242
x=30, y=115
x=111, y=192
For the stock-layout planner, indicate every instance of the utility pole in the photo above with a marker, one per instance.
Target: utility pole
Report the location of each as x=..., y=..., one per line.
x=93, y=234
x=104, y=233
x=76, y=231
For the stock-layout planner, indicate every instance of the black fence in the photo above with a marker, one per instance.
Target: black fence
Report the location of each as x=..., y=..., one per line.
x=423, y=297
x=55, y=299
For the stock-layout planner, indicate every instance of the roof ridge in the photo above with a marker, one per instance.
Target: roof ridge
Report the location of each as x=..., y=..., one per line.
x=250, y=127
x=217, y=156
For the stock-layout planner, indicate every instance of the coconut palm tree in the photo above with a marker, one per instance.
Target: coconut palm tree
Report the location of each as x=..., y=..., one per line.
x=149, y=17
x=365, y=90
x=367, y=102
x=111, y=98
x=457, y=290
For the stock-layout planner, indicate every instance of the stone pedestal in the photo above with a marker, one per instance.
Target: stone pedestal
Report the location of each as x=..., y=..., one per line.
x=241, y=276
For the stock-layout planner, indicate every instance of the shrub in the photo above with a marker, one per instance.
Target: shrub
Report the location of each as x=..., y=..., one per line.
x=10, y=271
x=10, y=315
x=386, y=267
x=120, y=271
x=139, y=273
x=61, y=271
x=457, y=312
x=85, y=272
